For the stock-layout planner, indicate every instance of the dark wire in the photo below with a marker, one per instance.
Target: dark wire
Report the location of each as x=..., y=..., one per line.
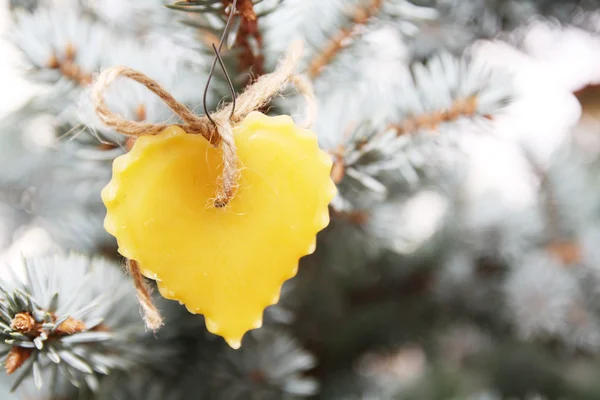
x=231, y=88
x=220, y=61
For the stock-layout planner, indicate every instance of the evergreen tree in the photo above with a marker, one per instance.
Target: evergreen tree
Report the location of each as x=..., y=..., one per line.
x=462, y=257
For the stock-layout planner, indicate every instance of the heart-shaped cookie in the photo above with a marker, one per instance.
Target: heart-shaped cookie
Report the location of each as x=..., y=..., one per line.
x=226, y=263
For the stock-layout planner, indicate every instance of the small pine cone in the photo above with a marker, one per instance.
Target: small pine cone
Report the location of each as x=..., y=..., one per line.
x=16, y=357
x=23, y=323
x=70, y=326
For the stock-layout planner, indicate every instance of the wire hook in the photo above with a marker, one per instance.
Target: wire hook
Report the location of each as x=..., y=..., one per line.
x=220, y=61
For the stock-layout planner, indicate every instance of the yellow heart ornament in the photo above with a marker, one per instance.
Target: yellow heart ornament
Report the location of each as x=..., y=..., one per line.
x=226, y=263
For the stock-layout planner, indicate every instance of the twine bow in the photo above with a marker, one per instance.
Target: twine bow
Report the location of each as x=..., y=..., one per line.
x=219, y=134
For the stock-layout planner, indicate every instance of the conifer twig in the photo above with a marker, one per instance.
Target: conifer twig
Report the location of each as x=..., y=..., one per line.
x=74, y=312
x=249, y=40
x=463, y=107
x=459, y=108
x=24, y=324
x=69, y=68
x=341, y=38
x=562, y=247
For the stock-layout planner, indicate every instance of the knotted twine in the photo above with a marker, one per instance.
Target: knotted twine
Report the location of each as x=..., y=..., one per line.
x=219, y=134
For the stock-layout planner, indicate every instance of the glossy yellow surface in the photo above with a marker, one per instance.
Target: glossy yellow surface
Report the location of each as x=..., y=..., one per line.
x=228, y=264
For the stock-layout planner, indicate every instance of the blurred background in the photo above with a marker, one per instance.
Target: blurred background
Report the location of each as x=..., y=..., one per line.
x=12, y=81
x=462, y=260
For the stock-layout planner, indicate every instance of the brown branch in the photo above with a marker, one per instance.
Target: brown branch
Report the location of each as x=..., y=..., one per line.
x=246, y=9
x=567, y=250
x=249, y=55
x=341, y=38
x=459, y=108
x=69, y=68
x=25, y=324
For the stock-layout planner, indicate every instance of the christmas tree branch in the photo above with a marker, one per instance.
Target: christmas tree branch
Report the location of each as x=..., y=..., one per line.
x=342, y=38
x=564, y=248
x=249, y=39
x=70, y=311
x=25, y=325
x=383, y=150
x=69, y=68
x=463, y=107
x=245, y=36
x=430, y=122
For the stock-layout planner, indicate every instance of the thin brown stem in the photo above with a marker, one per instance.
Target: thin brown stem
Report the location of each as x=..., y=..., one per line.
x=69, y=68
x=561, y=246
x=459, y=108
x=567, y=250
x=249, y=40
x=341, y=38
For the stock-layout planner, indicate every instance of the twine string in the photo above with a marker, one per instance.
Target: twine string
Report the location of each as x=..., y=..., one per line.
x=193, y=124
x=152, y=316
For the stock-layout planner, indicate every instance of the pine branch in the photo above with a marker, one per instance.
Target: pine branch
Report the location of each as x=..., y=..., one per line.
x=439, y=95
x=341, y=39
x=549, y=302
x=564, y=247
x=69, y=68
x=270, y=365
x=429, y=122
x=62, y=45
x=249, y=40
x=244, y=35
x=74, y=313
x=55, y=44
x=460, y=108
